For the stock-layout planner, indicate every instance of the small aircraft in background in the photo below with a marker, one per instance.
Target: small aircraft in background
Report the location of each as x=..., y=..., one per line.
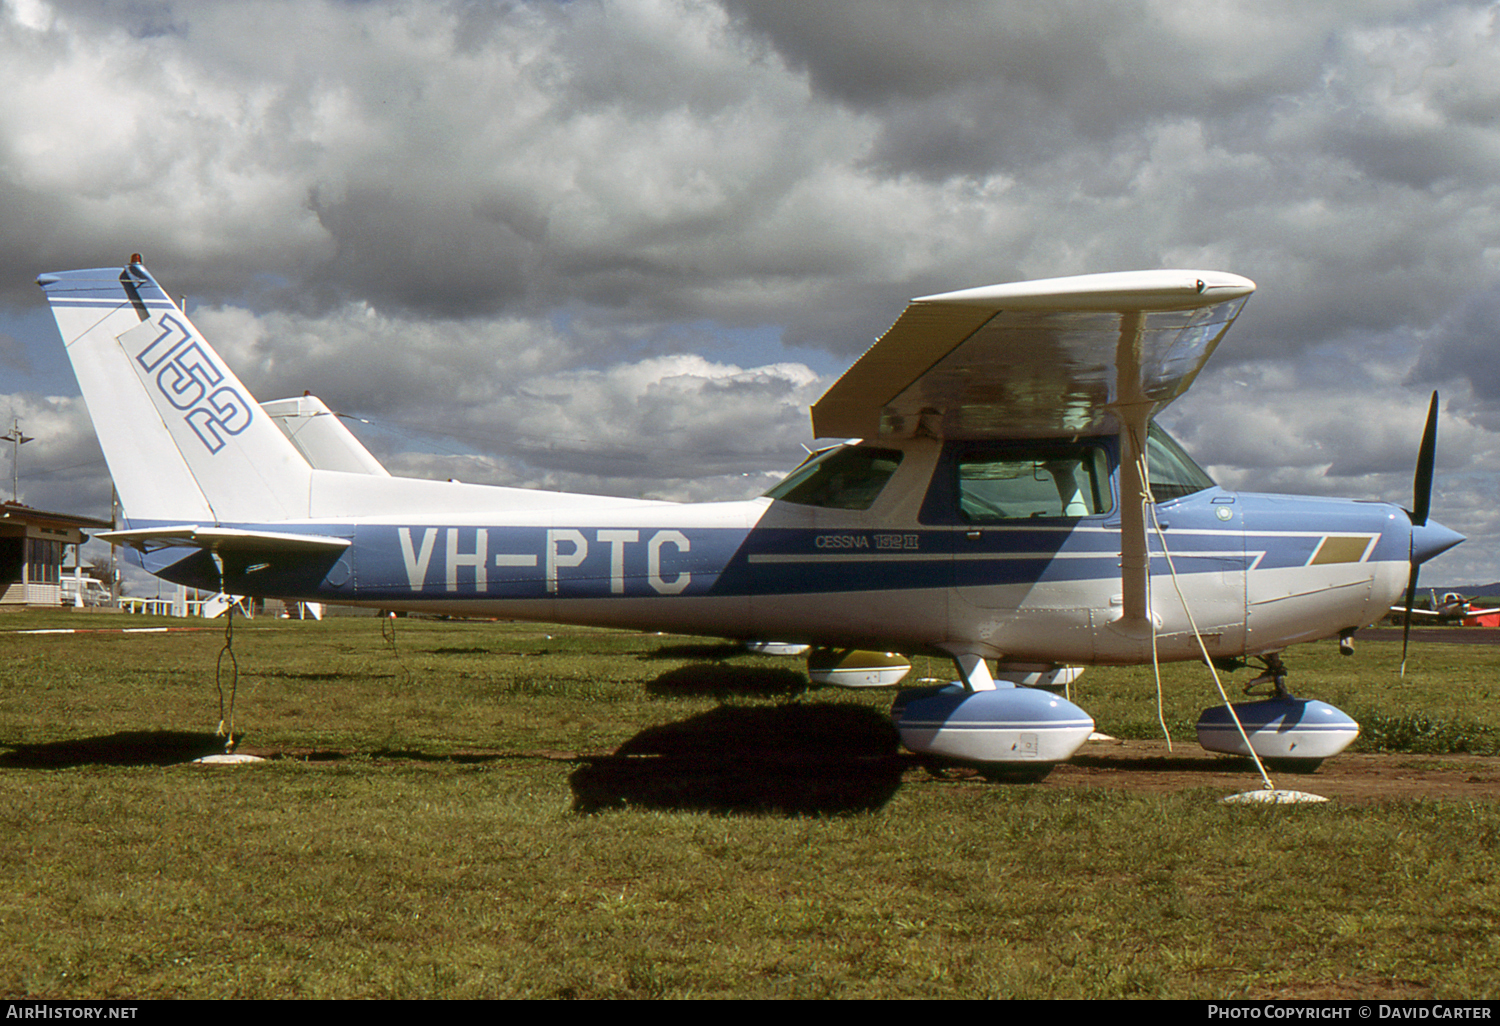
x=1451, y=607
x=1008, y=500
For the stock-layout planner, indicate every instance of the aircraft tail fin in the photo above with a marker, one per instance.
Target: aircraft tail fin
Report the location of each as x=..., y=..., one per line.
x=185, y=440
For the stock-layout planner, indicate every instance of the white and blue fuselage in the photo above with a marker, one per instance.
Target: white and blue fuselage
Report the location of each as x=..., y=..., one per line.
x=908, y=573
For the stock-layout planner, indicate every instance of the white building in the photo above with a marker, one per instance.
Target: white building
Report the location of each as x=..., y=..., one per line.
x=31, y=552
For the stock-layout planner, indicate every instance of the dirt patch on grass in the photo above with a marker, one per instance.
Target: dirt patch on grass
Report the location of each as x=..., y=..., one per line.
x=1147, y=766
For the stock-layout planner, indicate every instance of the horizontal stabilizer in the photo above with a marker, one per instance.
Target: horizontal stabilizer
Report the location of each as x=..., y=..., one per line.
x=224, y=540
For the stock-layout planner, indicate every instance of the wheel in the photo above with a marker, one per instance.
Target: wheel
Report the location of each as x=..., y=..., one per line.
x=1298, y=766
x=1015, y=773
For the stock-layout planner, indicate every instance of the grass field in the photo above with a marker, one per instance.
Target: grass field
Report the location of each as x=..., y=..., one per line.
x=507, y=810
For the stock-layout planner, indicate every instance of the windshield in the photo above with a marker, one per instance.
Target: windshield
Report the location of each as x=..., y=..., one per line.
x=1173, y=472
x=848, y=477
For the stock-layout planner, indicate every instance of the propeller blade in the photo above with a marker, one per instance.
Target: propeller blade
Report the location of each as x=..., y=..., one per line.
x=1411, y=595
x=1421, y=487
x=1421, y=484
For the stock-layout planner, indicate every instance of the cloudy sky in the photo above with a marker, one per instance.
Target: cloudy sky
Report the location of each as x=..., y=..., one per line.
x=622, y=246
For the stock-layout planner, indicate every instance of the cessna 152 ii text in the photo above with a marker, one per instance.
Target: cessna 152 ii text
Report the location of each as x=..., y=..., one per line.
x=1009, y=500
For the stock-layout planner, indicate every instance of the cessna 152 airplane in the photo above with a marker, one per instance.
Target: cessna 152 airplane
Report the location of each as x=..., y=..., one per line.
x=1009, y=500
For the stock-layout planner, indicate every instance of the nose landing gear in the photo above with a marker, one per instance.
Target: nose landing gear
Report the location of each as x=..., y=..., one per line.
x=1291, y=734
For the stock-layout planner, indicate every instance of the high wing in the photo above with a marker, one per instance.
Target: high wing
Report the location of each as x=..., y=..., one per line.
x=1061, y=357
x=1056, y=357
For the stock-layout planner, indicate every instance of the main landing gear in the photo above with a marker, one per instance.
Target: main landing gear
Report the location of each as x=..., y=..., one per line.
x=1006, y=732
x=1290, y=734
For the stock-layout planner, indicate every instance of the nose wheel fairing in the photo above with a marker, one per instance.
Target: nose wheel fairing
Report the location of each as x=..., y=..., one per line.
x=1281, y=729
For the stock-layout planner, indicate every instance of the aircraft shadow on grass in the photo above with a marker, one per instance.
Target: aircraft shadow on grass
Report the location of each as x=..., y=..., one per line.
x=813, y=759
x=122, y=748
x=720, y=680
x=700, y=650
x=1222, y=764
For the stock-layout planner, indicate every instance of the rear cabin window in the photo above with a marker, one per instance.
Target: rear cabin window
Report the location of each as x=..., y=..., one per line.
x=1024, y=483
x=848, y=477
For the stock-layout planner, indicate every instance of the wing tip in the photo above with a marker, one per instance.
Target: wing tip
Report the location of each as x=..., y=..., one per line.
x=1118, y=291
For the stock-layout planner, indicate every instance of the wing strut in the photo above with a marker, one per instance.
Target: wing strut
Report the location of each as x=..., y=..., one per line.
x=1133, y=409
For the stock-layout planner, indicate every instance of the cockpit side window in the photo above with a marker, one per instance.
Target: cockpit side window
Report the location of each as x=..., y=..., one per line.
x=1054, y=480
x=848, y=477
x=1173, y=472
